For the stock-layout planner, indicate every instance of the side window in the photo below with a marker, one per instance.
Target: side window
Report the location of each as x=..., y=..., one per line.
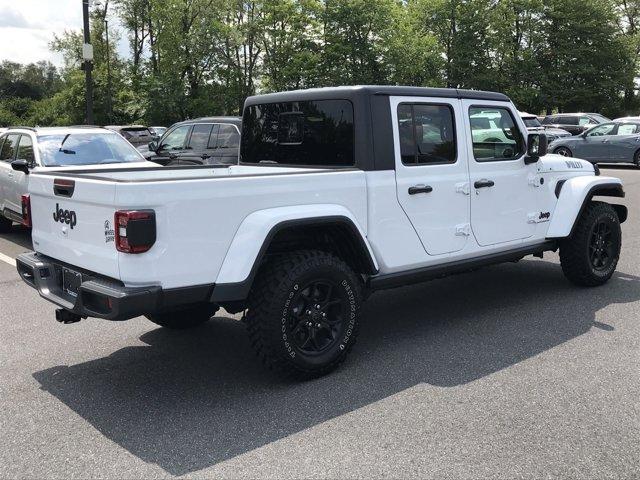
x=9, y=148
x=176, y=139
x=582, y=121
x=606, y=129
x=501, y=141
x=427, y=134
x=25, y=149
x=627, y=129
x=200, y=136
x=228, y=137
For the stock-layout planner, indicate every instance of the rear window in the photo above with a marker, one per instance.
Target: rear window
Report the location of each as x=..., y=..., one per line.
x=307, y=133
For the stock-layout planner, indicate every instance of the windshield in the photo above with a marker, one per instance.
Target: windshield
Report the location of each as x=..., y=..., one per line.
x=600, y=118
x=85, y=149
x=532, y=122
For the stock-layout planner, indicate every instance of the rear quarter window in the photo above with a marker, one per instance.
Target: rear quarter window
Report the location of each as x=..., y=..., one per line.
x=304, y=133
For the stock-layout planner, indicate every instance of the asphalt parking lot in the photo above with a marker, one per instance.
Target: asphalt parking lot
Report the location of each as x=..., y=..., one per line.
x=507, y=372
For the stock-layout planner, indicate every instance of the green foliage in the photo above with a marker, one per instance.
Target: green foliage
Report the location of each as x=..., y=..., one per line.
x=204, y=57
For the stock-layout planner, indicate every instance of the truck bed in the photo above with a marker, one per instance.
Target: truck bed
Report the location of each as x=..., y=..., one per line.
x=198, y=211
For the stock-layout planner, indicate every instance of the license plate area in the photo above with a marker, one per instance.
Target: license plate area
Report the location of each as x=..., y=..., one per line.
x=71, y=281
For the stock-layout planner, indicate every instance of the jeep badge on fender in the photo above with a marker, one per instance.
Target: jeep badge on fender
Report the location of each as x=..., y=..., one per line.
x=65, y=216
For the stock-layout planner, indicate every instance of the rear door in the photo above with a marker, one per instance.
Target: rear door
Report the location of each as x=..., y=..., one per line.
x=502, y=195
x=20, y=184
x=227, y=144
x=626, y=142
x=431, y=170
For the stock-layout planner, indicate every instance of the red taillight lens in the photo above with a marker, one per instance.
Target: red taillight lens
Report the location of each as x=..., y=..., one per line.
x=135, y=230
x=26, y=210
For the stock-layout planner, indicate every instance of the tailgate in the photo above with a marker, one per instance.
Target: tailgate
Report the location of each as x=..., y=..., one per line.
x=74, y=223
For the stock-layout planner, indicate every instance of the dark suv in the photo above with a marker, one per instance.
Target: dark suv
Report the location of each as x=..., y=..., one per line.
x=201, y=141
x=574, y=123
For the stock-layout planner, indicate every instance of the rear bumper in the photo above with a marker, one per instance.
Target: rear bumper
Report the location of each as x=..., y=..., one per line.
x=102, y=297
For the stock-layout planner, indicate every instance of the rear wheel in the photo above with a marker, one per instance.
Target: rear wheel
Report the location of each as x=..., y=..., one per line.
x=184, y=318
x=564, y=151
x=303, y=313
x=5, y=224
x=590, y=255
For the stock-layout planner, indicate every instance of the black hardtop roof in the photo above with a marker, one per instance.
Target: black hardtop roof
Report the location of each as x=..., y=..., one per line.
x=233, y=120
x=349, y=93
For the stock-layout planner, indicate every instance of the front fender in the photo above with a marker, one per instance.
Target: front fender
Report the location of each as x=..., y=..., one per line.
x=574, y=195
x=256, y=228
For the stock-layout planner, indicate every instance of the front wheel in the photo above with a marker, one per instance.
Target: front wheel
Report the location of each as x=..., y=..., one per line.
x=563, y=151
x=636, y=159
x=590, y=255
x=185, y=318
x=303, y=313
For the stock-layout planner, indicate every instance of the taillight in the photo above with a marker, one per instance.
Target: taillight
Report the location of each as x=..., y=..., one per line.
x=135, y=230
x=26, y=210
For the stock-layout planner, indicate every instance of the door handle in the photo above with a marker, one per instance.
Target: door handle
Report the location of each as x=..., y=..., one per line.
x=420, y=189
x=484, y=183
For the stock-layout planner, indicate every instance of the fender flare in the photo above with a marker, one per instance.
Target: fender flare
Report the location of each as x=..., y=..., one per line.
x=254, y=236
x=574, y=195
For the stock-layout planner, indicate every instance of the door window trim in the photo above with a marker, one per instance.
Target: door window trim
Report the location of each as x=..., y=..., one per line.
x=453, y=123
x=513, y=118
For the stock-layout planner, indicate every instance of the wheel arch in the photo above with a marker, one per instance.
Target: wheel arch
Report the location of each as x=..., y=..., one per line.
x=574, y=196
x=333, y=229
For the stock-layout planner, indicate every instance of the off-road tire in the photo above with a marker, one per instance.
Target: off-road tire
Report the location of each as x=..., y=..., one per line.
x=184, y=318
x=576, y=251
x=277, y=313
x=5, y=224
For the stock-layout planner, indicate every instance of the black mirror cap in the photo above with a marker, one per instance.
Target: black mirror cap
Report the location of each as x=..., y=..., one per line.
x=537, y=144
x=153, y=146
x=21, y=166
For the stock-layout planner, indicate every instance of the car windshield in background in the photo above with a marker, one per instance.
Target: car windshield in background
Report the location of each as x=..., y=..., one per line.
x=532, y=122
x=600, y=118
x=85, y=149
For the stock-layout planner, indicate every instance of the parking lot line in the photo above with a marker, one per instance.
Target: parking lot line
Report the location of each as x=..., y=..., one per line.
x=7, y=259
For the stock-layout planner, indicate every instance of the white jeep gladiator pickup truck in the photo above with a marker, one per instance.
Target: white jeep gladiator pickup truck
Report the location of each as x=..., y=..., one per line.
x=340, y=192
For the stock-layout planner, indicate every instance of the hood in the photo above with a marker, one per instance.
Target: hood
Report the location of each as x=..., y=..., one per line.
x=558, y=163
x=557, y=131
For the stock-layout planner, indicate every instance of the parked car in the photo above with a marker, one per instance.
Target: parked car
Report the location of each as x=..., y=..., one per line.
x=30, y=150
x=386, y=203
x=574, y=123
x=631, y=118
x=534, y=126
x=157, y=131
x=202, y=141
x=617, y=141
x=136, y=135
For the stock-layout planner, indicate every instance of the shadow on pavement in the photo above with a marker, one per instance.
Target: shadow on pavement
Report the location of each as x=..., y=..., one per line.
x=192, y=399
x=19, y=236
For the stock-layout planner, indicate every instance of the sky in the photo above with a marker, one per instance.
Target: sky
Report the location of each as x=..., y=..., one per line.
x=27, y=27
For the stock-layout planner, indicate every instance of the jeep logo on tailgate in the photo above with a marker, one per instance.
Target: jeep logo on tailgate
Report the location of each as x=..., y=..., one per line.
x=65, y=216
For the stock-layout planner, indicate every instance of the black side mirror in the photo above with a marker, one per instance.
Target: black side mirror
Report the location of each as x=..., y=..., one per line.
x=21, y=166
x=153, y=146
x=536, y=147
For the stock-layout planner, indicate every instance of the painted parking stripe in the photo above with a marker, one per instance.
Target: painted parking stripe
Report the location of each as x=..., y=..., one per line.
x=7, y=259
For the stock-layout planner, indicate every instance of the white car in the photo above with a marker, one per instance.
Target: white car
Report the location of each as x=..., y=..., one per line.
x=340, y=192
x=30, y=150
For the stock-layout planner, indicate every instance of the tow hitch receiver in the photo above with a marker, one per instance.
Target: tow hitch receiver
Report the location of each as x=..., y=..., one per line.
x=66, y=317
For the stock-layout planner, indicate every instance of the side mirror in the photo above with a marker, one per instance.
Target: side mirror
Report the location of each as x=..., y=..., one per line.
x=536, y=147
x=153, y=146
x=21, y=166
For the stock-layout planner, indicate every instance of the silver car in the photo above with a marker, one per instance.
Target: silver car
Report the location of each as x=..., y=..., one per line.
x=611, y=142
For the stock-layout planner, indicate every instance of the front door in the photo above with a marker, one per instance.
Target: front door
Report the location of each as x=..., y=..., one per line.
x=431, y=170
x=172, y=144
x=596, y=145
x=503, y=199
x=7, y=174
x=21, y=180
